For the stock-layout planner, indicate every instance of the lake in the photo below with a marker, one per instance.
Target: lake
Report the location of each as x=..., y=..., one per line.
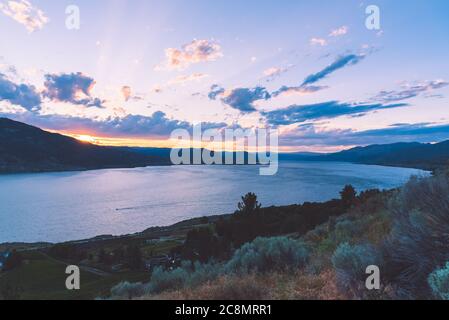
x=57, y=207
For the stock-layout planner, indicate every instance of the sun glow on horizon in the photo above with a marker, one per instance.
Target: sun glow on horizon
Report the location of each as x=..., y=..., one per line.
x=141, y=142
x=85, y=138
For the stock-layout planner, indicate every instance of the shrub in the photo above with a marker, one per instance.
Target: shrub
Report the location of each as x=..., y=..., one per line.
x=261, y=255
x=162, y=280
x=439, y=282
x=345, y=230
x=350, y=263
x=418, y=242
x=127, y=290
x=268, y=254
x=203, y=273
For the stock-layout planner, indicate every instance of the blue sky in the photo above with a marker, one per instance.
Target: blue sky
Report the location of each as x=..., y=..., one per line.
x=136, y=70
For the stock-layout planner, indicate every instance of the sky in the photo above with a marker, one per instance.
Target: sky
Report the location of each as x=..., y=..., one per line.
x=133, y=71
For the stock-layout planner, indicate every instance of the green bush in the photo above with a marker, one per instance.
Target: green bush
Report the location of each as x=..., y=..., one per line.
x=268, y=254
x=439, y=282
x=350, y=263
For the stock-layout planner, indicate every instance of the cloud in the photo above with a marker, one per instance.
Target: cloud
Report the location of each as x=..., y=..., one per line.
x=311, y=135
x=307, y=86
x=241, y=99
x=409, y=91
x=126, y=92
x=74, y=88
x=182, y=79
x=297, y=91
x=341, y=62
x=215, y=91
x=22, y=95
x=179, y=80
x=339, y=31
x=274, y=72
x=25, y=13
x=158, y=125
x=332, y=109
x=271, y=72
x=318, y=42
x=195, y=52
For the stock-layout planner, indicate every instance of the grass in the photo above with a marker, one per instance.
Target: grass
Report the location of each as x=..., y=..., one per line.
x=41, y=278
x=271, y=286
x=159, y=248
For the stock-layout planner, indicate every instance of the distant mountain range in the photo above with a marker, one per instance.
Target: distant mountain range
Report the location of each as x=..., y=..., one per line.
x=24, y=148
x=413, y=155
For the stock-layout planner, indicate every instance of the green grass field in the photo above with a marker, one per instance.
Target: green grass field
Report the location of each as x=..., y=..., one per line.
x=42, y=278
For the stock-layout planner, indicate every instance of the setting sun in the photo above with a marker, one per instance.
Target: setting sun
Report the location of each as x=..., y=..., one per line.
x=86, y=138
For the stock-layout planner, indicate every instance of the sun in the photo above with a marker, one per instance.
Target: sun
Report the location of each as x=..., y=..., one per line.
x=86, y=138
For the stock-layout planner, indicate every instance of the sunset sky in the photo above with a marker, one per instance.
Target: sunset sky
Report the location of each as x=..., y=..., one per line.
x=138, y=69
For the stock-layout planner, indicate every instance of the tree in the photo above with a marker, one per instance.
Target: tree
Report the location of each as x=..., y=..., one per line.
x=201, y=244
x=249, y=203
x=348, y=196
x=134, y=257
x=103, y=256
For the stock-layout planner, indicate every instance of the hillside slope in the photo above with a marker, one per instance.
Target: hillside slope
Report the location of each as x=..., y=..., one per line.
x=414, y=155
x=25, y=148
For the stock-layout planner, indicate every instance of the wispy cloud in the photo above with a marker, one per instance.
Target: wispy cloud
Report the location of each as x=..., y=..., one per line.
x=326, y=110
x=318, y=42
x=179, y=80
x=339, y=63
x=297, y=91
x=25, y=13
x=182, y=79
x=195, y=52
x=410, y=90
x=274, y=72
x=339, y=31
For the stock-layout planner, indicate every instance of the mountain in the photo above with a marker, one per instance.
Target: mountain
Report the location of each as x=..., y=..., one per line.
x=24, y=148
x=413, y=155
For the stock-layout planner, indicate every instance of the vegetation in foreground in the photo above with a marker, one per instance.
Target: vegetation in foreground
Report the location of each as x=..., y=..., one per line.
x=404, y=232
x=308, y=251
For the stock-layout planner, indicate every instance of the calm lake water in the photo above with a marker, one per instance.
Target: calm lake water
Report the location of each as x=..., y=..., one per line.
x=58, y=207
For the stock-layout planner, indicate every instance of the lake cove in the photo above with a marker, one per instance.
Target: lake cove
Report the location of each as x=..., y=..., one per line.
x=192, y=311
